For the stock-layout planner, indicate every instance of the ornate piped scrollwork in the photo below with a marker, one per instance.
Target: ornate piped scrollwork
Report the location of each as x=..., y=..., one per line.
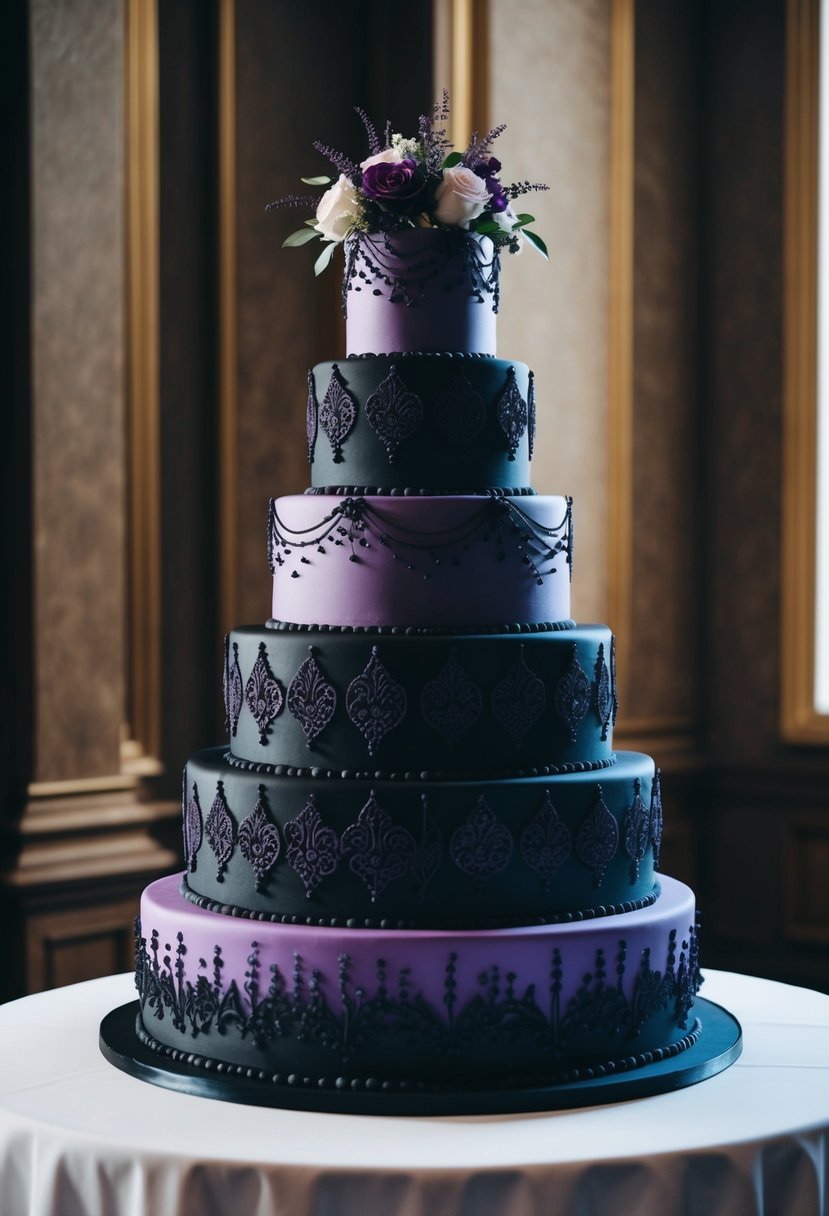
x=232, y=688
x=636, y=830
x=572, y=695
x=311, y=417
x=597, y=839
x=511, y=412
x=393, y=412
x=546, y=842
x=531, y=420
x=481, y=847
x=452, y=703
x=375, y=702
x=259, y=841
x=613, y=685
x=311, y=699
x=519, y=699
x=312, y=849
x=220, y=830
x=264, y=694
x=338, y=413
x=656, y=817
x=378, y=849
x=602, y=694
x=460, y=412
x=192, y=825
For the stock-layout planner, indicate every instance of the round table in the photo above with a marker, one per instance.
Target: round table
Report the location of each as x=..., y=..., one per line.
x=80, y=1138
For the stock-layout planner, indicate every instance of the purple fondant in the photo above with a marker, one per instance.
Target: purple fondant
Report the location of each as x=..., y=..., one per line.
x=420, y=301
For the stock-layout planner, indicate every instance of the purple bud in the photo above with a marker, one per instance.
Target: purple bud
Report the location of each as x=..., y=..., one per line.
x=498, y=202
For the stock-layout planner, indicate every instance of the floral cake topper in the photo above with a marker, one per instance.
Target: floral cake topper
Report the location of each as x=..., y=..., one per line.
x=419, y=182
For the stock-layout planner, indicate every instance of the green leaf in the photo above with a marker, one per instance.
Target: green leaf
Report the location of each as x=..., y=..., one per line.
x=536, y=240
x=325, y=257
x=312, y=223
x=521, y=220
x=301, y=237
x=454, y=158
x=487, y=226
x=317, y=181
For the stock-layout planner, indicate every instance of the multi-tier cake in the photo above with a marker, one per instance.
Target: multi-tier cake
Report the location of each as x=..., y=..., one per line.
x=417, y=867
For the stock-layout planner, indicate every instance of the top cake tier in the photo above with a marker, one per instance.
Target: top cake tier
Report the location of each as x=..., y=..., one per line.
x=420, y=290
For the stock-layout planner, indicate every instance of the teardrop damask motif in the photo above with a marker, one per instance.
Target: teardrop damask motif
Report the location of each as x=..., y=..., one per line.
x=393, y=412
x=452, y=703
x=546, y=842
x=614, y=690
x=572, y=695
x=338, y=413
x=481, y=847
x=311, y=418
x=378, y=849
x=264, y=694
x=429, y=853
x=192, y=827
x=232, y=688
x=597, y=839
x=312, y=849
x=531, y=414
x=656, y=817
x=636, y=830
x=519, y=699
x=511, y=413
x=460, y=412
x=602, y=696
x=219, y=830
x=375, y=702
x=259, y=841
x=311, y=699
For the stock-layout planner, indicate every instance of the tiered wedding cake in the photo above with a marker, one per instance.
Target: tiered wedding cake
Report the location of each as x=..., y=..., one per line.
x=418, y=866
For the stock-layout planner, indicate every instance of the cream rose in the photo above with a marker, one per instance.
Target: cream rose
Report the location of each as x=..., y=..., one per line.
x=460, y=197
x=388, y=155
x=337, y=210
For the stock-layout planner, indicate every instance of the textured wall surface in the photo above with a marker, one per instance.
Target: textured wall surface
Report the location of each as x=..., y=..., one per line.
x=78, y=408
x=549, y=80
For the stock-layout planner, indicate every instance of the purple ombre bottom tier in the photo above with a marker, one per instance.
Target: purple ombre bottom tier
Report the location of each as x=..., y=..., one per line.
x=422, y=1006
x=420, y=290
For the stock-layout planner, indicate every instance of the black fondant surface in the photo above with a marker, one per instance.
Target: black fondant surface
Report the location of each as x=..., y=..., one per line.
x=415, y=703
x=439, y=427
x=420, y=853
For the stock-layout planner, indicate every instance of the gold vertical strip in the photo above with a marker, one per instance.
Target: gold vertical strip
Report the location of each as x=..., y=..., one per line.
x=800, y=723
x=228, y=413
x=469, y=84
x=142, y=742
x=620, y=364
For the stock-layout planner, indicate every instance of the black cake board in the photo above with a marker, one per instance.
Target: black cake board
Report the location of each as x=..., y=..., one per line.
x=716, y=1049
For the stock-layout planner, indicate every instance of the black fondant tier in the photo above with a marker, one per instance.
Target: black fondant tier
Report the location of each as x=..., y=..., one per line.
x=359, y=851
x=444, y=422
x=420, y=704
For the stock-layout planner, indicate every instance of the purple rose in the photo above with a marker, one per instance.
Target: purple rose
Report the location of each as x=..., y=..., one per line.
x=396, y=185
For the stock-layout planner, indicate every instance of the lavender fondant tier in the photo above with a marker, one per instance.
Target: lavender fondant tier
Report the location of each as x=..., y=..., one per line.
x=420, y=289
x=438, y=1006
x=361, y=850
x=421, y=703
x=455, y=561
x=434, y=423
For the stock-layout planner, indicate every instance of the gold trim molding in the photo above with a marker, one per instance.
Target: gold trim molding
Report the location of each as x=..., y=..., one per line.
x=799, y=721
x=142, y=744
x=460, y=63
x=620, y=362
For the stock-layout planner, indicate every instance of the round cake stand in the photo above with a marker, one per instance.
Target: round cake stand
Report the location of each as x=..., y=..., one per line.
x=717, y=1047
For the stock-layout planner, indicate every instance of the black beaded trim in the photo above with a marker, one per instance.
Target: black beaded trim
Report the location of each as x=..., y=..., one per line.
x=485, y=774
x=621, y=1064
x=423, y=630
x=424, y=354
x=432, y=492
x=352, y=922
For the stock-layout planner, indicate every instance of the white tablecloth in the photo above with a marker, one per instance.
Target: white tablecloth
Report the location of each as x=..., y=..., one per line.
x=80, y=1138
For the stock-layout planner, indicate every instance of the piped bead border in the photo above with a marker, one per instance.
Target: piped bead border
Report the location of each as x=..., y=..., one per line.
x=541, y=770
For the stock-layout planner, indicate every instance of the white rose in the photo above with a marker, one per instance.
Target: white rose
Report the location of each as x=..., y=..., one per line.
x=337, y=210
x=379, y=158
x=460, y=197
